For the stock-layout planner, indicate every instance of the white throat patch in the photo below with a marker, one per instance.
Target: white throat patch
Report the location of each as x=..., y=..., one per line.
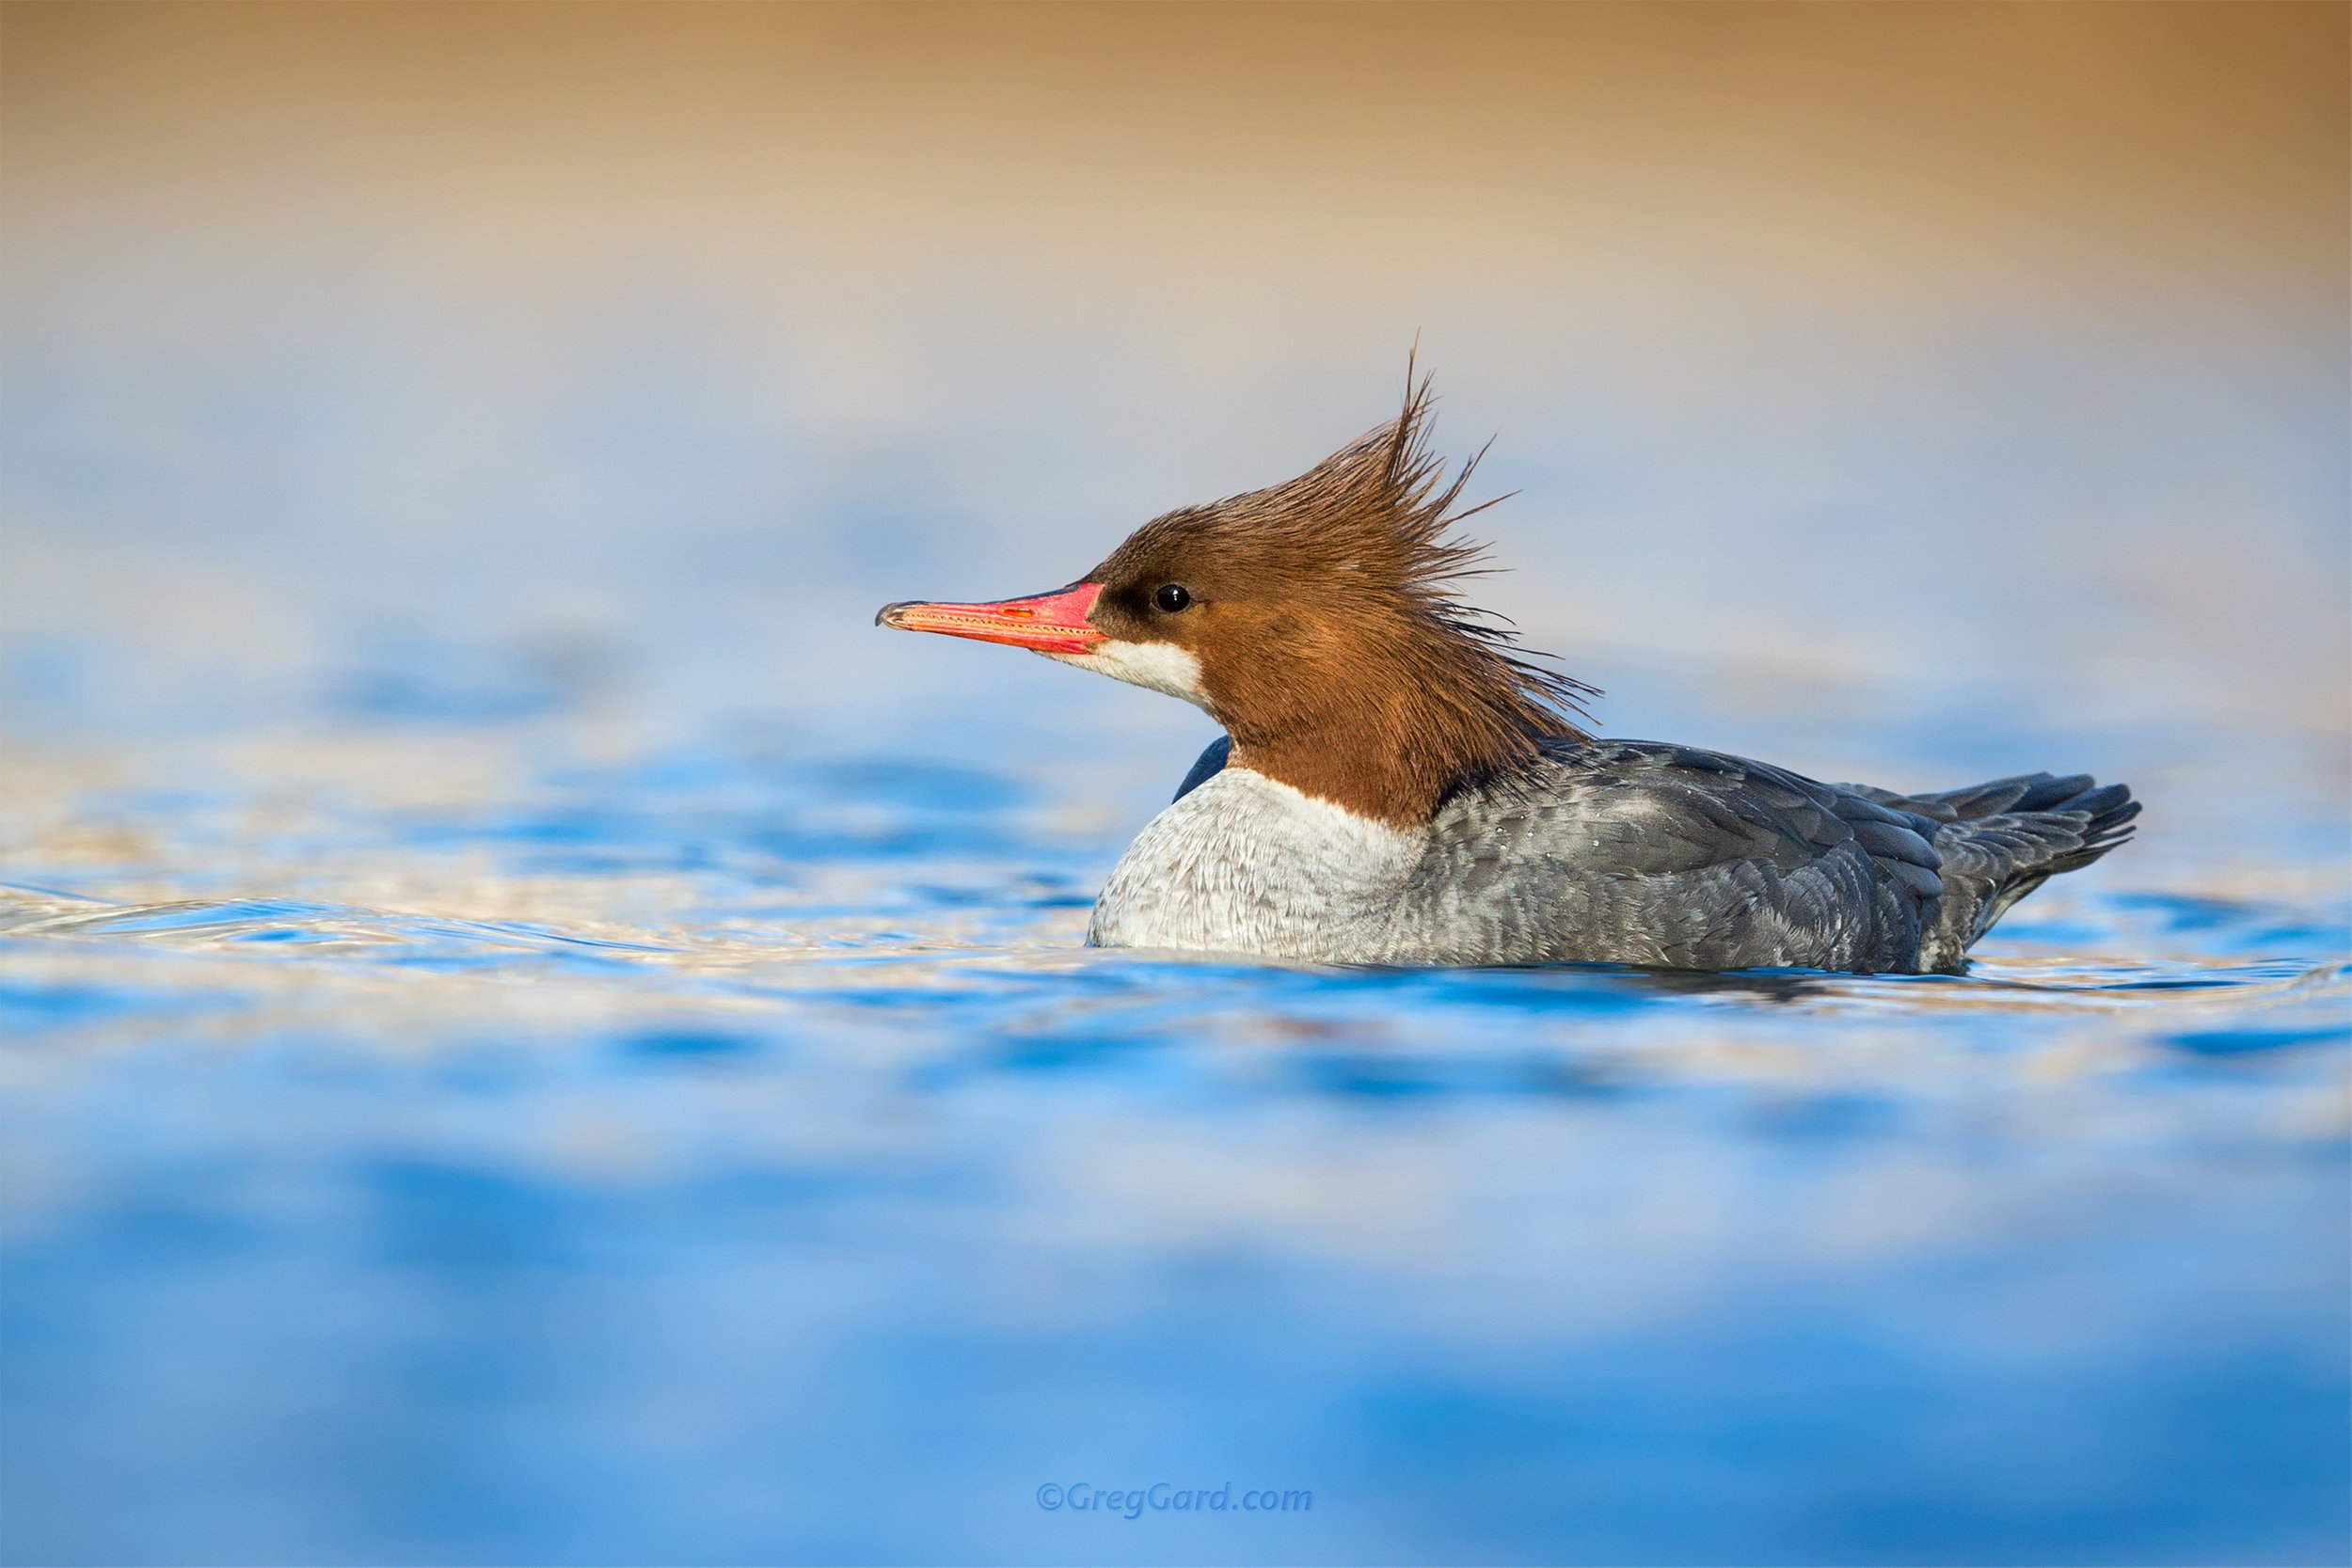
x=1157, y=666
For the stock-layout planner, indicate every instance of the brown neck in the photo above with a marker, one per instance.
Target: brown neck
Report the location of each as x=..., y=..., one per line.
x=1384, y=788
x=1392, y=760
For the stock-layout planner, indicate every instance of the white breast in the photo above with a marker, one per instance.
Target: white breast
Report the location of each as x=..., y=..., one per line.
x=1244, y=864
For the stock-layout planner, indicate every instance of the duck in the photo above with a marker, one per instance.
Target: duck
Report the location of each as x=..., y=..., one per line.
x=1399, y=783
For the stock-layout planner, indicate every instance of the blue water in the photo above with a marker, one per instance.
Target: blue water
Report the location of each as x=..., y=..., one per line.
x=448, y=1126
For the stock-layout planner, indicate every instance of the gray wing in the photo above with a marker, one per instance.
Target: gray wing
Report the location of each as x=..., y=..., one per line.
x=1637, y=852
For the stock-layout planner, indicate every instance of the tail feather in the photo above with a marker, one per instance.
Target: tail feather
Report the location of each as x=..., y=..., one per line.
x=2001, y=840
x=2025, y=792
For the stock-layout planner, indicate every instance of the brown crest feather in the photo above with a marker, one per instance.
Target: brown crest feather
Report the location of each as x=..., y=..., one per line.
x=1335, y=645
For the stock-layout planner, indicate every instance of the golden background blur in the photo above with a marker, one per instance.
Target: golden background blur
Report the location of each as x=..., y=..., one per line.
x=1372, y=150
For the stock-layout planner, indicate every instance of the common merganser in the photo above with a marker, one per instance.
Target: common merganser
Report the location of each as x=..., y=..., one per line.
x=1396, y=785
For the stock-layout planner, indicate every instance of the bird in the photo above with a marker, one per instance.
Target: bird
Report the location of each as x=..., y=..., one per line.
x=1400, y=784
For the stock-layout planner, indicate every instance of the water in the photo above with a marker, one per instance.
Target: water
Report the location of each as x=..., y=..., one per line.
x=454, y=1129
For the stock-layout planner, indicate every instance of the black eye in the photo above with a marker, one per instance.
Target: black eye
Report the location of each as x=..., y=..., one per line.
x=1171, y=597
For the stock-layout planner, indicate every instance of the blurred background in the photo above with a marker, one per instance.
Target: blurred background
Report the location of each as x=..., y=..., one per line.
x=1937, y=345
x=453, y=796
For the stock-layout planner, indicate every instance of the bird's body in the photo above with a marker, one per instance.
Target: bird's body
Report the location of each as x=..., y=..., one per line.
x=1614, y=851
x=1397, y=786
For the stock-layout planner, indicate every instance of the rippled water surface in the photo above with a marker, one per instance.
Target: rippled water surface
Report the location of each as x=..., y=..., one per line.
x=444, y=1134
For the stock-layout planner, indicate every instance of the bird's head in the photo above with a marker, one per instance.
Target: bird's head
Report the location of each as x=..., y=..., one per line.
x=1319, y=621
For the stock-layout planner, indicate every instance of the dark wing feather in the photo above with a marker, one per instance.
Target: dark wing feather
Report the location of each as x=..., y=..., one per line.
x=1206, y=766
